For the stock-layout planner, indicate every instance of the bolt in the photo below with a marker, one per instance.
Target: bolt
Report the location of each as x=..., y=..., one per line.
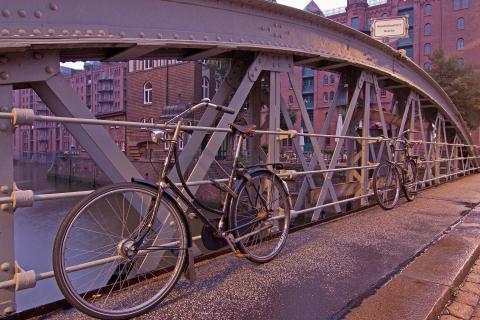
x=88, y=32
x=22, y=13
x=77, y=33
x=36, y=32
x=101, y=33
x=5, y=267
x=5, y=189
x=51, y=31
x=121, y=34
x=191, y=37
x=159, y=35
x=21, y=32
x=205, y=38
x=65, y=32
x=141, y=35
x=38, y=14
x=175, y=35
x=5, y=32
x=49, y=69
x=6, y=13
x=53, y=6
x=4, y=76
x=8, y=311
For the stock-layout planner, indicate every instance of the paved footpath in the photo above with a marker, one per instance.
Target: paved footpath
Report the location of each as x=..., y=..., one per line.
x=465, y=298
x=325, y=270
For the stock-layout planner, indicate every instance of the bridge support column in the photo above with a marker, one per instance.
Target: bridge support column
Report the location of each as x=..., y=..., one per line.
x=7, y=252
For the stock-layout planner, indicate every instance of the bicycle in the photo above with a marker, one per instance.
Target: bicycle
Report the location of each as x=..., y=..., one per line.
x=388, y=176
x=121, y=264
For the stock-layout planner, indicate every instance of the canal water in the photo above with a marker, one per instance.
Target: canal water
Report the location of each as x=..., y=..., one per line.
x=35, y=230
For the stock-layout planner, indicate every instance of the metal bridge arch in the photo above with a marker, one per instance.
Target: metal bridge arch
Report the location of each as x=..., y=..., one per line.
x=260, y=37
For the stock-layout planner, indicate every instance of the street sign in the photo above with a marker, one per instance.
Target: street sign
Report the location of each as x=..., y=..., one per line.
x=396, y=27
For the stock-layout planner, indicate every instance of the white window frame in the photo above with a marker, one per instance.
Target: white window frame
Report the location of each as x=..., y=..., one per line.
x=147, y=93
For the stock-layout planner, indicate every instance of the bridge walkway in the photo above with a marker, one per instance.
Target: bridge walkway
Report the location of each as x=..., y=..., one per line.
x=324, y=270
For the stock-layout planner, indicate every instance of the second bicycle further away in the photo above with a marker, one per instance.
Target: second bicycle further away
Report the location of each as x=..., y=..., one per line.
x=390, y=175
x=121, y=250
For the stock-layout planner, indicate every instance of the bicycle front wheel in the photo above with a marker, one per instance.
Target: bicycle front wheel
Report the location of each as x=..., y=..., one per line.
x=96, y=266
x=410, y=183
x=386, y=185
x=260, y=214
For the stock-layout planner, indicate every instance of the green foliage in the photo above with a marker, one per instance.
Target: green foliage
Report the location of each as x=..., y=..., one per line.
x=454, y=291
x=460, y=82
x=293, y=118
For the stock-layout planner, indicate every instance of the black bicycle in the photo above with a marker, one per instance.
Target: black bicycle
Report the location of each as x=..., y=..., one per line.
x=388, y=176
x=121, y=250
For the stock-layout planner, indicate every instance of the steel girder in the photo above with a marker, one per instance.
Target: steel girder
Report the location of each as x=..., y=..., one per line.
x=202, y=29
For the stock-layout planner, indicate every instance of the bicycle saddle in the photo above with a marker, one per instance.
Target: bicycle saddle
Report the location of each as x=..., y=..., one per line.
x=248, y=130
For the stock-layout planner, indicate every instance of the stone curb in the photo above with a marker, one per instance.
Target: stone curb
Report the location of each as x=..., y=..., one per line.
x=422, y=289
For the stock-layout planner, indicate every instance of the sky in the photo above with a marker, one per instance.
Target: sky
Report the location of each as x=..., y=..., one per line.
x=299, y=4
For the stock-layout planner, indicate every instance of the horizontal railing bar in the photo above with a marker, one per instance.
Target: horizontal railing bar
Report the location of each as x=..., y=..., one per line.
x=296, y=213
x=7, y=115
x=448, y=175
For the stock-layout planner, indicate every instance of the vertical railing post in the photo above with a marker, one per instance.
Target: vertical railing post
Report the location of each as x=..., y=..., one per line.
x=365, y=144
x=274, y=118
x=7, y=252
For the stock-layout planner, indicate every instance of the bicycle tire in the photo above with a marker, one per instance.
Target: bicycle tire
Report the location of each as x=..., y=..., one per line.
x=392, y=180
x=134, y=279
x=265, y=245
x=410, y=184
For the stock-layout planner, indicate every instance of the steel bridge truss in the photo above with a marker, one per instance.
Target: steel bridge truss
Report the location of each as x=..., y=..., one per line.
x=265, y=42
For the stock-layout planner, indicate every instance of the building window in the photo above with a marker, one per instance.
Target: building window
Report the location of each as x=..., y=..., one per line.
x=325, y=79
x=460, y=4
x=325, y=97
x=147, y=93
x=290, y=100
x=427, y=30
x=332, y=79
x=332, y=95
x=461, y=61
x=427, y=10
x=384, y=15
x=427, y=49
x=205, y=88
x=461, y=23
x=147, y=64
x=460, y=44
x=308, y=99
x=426, y=66
x=355, y=23
x=383, y=92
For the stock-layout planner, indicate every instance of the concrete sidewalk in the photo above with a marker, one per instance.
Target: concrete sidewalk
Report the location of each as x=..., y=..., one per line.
x=326, y=271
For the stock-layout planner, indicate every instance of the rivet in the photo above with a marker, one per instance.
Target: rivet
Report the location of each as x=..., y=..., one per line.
x=36, y=32
x=269, y=29
x=38, y=14
x=101, y=32
x=8, y=311
x=6, y=13
x=49, y=69
x=5, y=267
x=4, y=76
x=21, y=32
x=175, y=35
x=159, y=35
x=37, y=55
x=219, y=38
x=22, y=13
x=5, y=32
x=53, y=6
x=65, y=32
x=231, y=40
x=5, y=206
x=77, y=33
x=263, y=28
x=191, y=37
x=51, y=31
x=205, y=38
x=3, y=60
x=141, y=35
x=89, y=32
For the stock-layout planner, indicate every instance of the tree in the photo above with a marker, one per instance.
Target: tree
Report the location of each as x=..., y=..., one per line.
x=460, y=82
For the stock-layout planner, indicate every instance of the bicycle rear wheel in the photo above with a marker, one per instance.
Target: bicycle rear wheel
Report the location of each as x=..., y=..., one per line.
x=410, y=183
x=261, y=212
x=386, y=185
x=96, y=267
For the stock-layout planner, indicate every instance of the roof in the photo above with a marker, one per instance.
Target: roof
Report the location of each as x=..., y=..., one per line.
x=313, y=8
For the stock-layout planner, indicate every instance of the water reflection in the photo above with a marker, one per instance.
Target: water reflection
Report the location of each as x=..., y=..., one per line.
x=35, y=230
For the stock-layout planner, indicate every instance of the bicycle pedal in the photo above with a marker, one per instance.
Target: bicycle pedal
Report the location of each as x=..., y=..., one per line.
x=240, y=255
